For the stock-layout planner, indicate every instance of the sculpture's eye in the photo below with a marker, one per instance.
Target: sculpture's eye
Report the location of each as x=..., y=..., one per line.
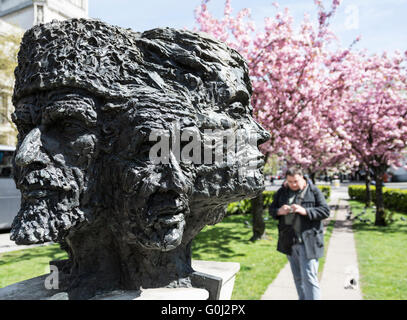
x=143, y=149
x=23, y=123
x=24, y=129
x=241, y=96
x=237, y=109
x=70, y=128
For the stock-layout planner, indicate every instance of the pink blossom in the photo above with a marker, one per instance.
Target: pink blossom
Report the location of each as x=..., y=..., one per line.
x=324, y=106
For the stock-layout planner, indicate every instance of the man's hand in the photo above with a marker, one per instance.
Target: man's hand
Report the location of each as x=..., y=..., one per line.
x=284, y=210
x=298, y=209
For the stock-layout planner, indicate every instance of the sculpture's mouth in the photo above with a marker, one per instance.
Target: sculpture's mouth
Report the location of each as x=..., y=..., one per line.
x=34, y=192
x=38, y=193
x=49, y=206
x=162, y=233
x=165, y=220
x=255, y=162
x=169, y=220
x=161, y=224
x=166, y=209
x=38, y=184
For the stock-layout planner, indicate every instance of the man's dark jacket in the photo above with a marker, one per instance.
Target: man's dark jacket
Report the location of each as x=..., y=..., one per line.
x=311, y=224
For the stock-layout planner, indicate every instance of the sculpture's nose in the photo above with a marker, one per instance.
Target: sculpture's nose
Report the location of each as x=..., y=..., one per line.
x=263, y=135
x=173, y=178
x=30, y=150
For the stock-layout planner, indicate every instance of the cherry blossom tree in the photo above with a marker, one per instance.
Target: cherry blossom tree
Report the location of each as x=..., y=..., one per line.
x=372, y=116
x=9, y=45
x=316, y=149
x=290, y=69
x=293, y=75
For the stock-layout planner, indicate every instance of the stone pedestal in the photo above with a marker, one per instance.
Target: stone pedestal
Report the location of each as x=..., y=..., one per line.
x=218, y=277
x=226, y=271
x=157, y=294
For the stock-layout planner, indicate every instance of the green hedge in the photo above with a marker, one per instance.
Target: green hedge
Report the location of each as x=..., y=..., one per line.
x=358, y=192
x=393, y=199
x=245, y=206
x=326, y=190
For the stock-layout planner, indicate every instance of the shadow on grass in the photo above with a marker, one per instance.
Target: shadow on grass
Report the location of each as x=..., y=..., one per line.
x=226, y=239
x=398, y=226
x=392, y=228
x=53, y=252
x=218, y=240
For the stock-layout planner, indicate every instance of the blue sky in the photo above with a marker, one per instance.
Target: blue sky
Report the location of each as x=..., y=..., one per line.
x=381, y=23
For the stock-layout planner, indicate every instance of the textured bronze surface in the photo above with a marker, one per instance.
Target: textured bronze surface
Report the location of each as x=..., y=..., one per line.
x=88, y=96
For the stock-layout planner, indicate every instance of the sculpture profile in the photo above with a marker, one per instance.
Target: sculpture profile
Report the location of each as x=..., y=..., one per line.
x=88, y=97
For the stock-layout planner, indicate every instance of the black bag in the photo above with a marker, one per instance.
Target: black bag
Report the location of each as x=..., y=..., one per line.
x=314, y=243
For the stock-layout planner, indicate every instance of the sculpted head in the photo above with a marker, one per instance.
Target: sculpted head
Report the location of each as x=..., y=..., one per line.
x=114, y=133
x=56, y=153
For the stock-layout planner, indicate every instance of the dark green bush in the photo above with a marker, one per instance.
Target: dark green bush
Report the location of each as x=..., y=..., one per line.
x=268, y=197
x=239, y=207
x=394, y=199
x=245, y=206
x=358, y=192
x=326, y=190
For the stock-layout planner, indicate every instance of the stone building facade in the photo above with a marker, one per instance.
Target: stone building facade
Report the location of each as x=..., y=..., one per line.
x=26, y=13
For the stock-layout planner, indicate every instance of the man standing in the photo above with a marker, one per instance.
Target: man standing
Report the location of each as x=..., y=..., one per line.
x=300, y=207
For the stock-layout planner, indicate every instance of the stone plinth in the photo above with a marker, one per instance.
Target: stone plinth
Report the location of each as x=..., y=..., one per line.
x=220, y=274
x=34, y=289
x=157, y=294
x=225, y=270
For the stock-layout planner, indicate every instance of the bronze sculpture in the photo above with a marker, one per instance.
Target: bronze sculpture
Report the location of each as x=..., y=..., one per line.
x=92, y=100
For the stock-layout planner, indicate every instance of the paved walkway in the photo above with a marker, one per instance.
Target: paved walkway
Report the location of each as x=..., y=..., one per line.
x=340, y=277
x=6, y=245
x=339, y=280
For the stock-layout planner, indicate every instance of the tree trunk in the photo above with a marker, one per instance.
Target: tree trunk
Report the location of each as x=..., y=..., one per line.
x=368, y=196
x=259, y=227
x=312, y=176
x=380, y=216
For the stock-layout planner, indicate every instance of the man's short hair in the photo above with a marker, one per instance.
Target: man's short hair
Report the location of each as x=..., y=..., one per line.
x=292, y=171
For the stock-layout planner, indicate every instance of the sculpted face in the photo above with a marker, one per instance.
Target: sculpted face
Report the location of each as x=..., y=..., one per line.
x=170, y=179
x=53, y=162
x=58, y=151
x=155, y=197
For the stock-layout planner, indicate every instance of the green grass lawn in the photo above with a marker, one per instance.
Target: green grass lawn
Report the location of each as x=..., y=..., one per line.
x=227, y=241
x=260, y=263
x=21, y=265
x=382, y=256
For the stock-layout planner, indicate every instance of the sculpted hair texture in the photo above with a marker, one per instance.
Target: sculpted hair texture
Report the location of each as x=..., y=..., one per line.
x=120, y=63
